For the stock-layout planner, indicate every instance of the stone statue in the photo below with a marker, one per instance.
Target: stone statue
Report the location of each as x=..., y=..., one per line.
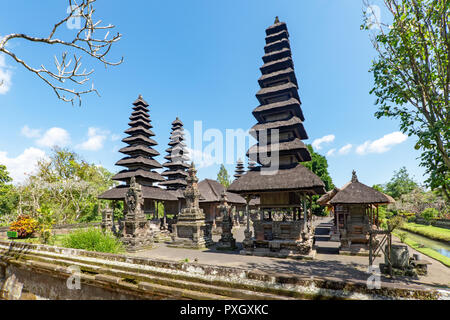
x=227, y=241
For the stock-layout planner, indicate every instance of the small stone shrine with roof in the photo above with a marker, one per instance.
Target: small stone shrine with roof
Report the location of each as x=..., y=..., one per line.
x=355, y=211
x=191, y=230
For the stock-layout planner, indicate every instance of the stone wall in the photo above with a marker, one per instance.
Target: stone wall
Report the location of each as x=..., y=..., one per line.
x=31, y=271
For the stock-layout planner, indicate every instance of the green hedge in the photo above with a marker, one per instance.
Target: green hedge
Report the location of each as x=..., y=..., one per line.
x=93, y=240
x=431, y=232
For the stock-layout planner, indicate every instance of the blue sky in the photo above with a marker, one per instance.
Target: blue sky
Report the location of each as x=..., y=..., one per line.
x=199, y=60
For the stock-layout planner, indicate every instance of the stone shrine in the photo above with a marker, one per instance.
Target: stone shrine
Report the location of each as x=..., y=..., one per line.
x=136, y=232
x=191, y=230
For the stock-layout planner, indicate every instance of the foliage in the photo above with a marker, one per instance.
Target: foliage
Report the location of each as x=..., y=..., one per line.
x=93, y=240
x=25, y=226
x=429, y=213
x=8, y=196
x=418, y=200
x=402, y=236
x=66, y=185
x=412, y=79
x=223, y=177
x=394, y=223
x=401, y=183
x=45, y=224
x=432, y=232
x=319, y=166
x=378, y=187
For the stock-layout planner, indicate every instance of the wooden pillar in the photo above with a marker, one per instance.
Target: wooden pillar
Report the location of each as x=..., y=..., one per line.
x=247, y=200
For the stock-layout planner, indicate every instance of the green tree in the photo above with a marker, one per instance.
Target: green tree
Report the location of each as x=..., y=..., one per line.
x=8, y=196
x=412, y=79
x=319, y=165
x=378, y=187
x=401, y=183
x=223, y=177
x=67, y=186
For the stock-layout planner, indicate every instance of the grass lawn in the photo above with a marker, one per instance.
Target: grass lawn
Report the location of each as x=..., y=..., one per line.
x=435, y=233
x=426, y=251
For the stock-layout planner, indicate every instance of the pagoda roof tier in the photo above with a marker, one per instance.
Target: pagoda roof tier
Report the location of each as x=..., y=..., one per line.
x=174, y=183
x=119, y=193
x=142, y=150
x=266, y=79
x=291, y=178
x=277, y=45
x=182, y=157
x=295, y=147
x=140, y=129
x=149, y=163
x=178, y=142
x=140, y=102
x=140, y=139
x=289, y=89
x=177, y=122
x=140, y=108
x=283, y=34
x=177, y=147
x=276, y=65
x=140, y=122
x=293, y=124
x=125, y=175
x=276, y=27
x=174, y=172
x=139, y=116
x=176, y=164
x=276, y=55
x=292, y=105
x=140, y=112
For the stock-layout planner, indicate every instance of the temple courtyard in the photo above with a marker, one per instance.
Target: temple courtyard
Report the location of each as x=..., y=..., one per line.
x=328, y=264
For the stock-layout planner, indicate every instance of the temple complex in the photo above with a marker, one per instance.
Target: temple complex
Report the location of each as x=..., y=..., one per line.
x=139, y=161
x=191, y=230
x=355, y=212
x=282, y=183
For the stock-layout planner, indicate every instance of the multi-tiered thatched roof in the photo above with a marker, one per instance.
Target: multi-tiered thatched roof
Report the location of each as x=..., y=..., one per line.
x=279, y=109
x=138, y=160
x=239, y=169
x=176, y=171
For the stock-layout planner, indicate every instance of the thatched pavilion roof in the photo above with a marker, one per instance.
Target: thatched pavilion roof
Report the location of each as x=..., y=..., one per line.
x=356, y=192
x=211, y=191
x=294, y=178
x=118, y=193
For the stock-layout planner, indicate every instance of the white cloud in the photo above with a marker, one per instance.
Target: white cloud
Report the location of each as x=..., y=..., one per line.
x=23, y=164
x=54, y=137
x=5, y=76
x=115, y=137
x=326, y=139
x=30, y=133
x=345, y=149
x=383, y=144
x=331, y=152
x=95, y=140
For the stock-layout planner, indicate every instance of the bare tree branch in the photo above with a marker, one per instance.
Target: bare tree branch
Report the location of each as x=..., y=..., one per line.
x=87, y=41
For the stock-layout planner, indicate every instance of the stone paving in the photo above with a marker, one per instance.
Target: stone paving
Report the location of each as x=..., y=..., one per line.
x=327, y=263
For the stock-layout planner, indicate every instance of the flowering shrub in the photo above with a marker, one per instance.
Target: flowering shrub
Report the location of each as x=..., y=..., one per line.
x=25, y=226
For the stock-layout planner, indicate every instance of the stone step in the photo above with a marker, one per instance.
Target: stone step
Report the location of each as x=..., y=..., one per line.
x=181, y=287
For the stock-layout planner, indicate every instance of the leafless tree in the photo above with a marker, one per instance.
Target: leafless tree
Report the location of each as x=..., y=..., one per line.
x=91, y=39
